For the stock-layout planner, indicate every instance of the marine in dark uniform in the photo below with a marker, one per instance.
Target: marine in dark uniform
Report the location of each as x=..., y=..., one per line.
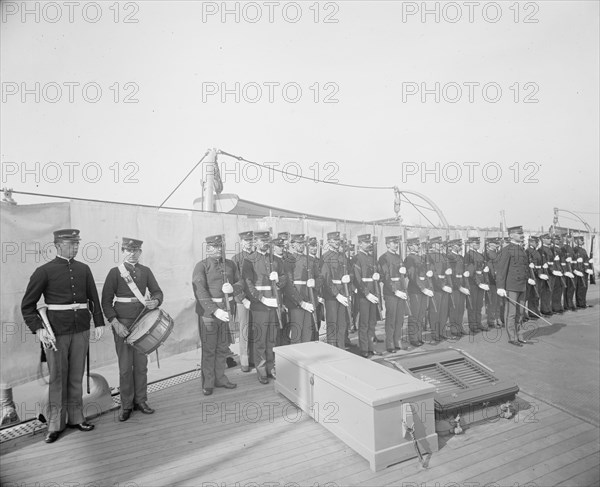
x=511, y=279
x=534, y=283
x=436, y=264
x=335, y=278
x=474, y=265
x=366, y=277
x=583, y=269
x=491, y=297
x=262, y=273
x=559, y=283
x=567, y=256
x=121, y=308
x=395, y=295
x=242, y=303
x=280, y=246
x=459, y=291
x=545, y=275
x=296, y=295
x=213, y=282
x=413, y=271
x=72, y=299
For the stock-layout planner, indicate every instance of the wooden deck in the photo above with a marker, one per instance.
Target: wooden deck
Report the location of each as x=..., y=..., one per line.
x=253, y=434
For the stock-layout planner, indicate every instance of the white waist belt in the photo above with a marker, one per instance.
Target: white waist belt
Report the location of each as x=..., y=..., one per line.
x=63, y=307
x=220, y=300
x=126, y=300
x=458, y=275
x=263, y=288
x=299, y=282
x=441, y=277
x=336, y=281
x=394, y=279
x=367, y=279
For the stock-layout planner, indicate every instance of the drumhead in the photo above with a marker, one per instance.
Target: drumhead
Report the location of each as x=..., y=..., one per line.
x=141, y=326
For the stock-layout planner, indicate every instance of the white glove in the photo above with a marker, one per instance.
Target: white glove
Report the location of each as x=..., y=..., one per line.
x=227, y=288
x=569, y=274
x=557, y=273
x=151, y=303
x=580, y=260
x=464, y=290
x=589, y=271
x=429, y=273
x=556, y=257
x=578, y=273
x=448, y=271
x=310, y=283
x=428, y=292
x=345, y=279
x=342, y=299
x=400, y=294
x=307, y=306
x=531, y=265
x=486, y=269
x=544, y=277
x=270, y=302
x=221, y=314
x=246, y=303
x=376, y=276
x=98, y=333
x=273, y=276
x=402, y=270
x=447, y=289
x=484, y=286
x=321, y=300
x=45, y=338
x=591, y=261
x=501, y=293
x=545, y=266
x=569, y=260
x=372, y=298
x=531, y=282
x=466, y=273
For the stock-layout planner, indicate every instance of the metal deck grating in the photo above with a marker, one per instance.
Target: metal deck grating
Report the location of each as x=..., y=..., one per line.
x=35, y=426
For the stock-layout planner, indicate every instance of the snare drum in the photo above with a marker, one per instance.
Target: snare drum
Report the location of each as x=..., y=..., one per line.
x=150, y=331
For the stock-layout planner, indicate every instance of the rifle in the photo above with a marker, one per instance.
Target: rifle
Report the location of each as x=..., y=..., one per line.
x=485, y=276
x=311, y=294
x=274, y=288
x=465, y=284
x=346, y=250
x=224, y=275
x=591, y=265
x=430, y=302
x=377, y=288
x=403, y=282
x=532, y=276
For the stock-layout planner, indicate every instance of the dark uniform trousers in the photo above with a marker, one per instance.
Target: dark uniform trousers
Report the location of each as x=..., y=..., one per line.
x=133, y=369
x=581, y=285
x=474, y=314
x=66, y=367
x=418, y=310
x=514, y=315
x=457, y=314
x=439, y=318
x=533, y=301
x=569, y=294
x=301, y=326
x=337, y=323
x=214, y=335
x=557, y=293
x=492, y=307
x=545, y=295
x=394, y=320
x=366, y=324
x=265, y=330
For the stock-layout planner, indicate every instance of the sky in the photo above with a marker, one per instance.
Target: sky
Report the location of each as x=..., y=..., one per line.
x=482, y=110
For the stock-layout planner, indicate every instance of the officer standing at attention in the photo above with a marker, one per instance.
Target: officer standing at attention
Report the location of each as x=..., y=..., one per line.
x=72, y=299
x=127, y=285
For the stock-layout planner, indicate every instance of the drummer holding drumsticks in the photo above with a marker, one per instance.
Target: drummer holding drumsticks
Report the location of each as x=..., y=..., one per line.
x=123, y=300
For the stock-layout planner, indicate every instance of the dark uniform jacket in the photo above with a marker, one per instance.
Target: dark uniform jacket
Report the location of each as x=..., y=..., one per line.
x=390, y=264
x=62, y=282
x=457, y=264
x=115, y=285
x=581, y=253
x=297, y=270
x=416, y=274
x=255, y=272
x=535, y=257
x=547, y=254
x=491, y=258
x=207, y=282
x=334, y=266
x=474, y=263
x=512, y=267
x=363, y=274
x=238, y=260
x=437, y=263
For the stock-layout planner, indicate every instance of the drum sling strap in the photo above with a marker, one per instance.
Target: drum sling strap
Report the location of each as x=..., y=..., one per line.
x=137, y=293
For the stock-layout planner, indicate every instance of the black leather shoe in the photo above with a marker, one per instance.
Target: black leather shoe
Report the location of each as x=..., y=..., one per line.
x=124, y=414
x=207, y=391
x=391, y=350
x=516, y=344
x=51, y=437
x=82, y=426
x=525, y=341
x=143, y=407
x=263, y=380
x=227, y=385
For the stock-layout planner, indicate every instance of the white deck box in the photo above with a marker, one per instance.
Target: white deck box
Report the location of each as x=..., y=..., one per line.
x=361, y=402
